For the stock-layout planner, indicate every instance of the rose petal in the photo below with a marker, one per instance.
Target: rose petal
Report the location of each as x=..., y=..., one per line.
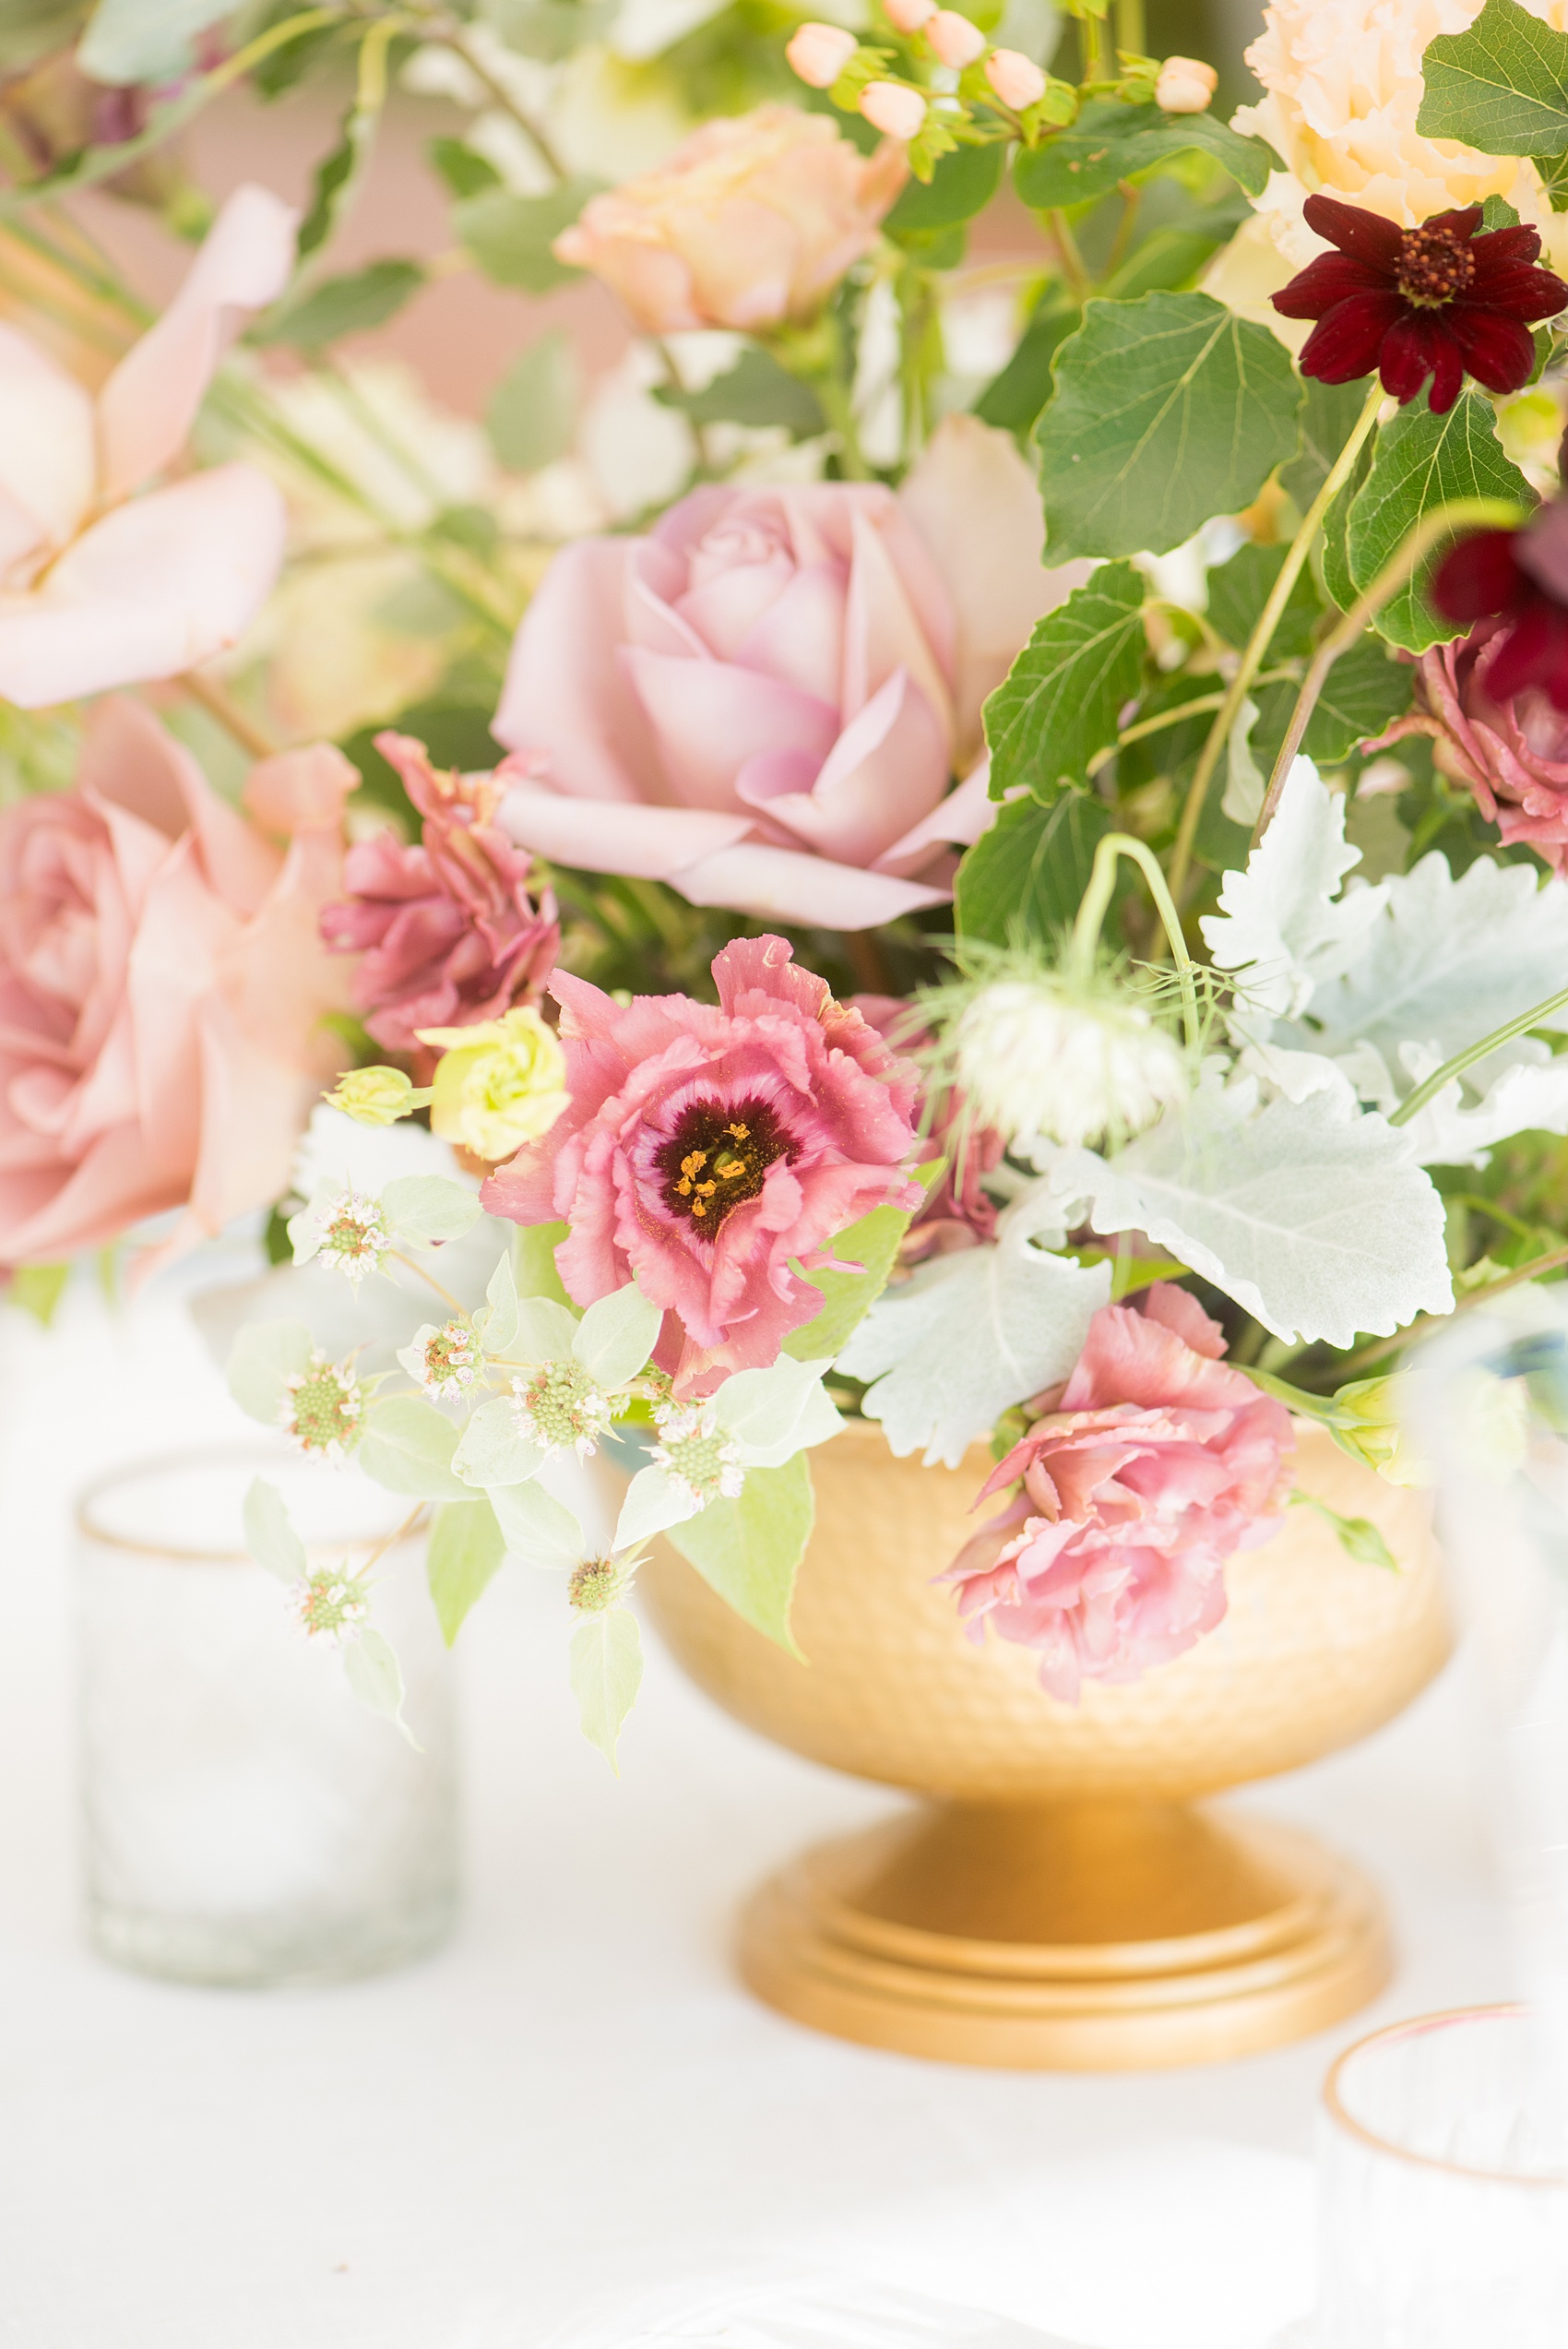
x=708, y=718
x=785, y=884
x=887, y=769
x=47, y=465
x=961, y=818
x=649, y=844
x=566, y=693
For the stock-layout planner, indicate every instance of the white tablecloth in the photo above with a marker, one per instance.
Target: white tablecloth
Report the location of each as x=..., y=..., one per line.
x=575, y=2105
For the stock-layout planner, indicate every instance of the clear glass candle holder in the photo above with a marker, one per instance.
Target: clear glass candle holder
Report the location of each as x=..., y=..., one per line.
x=1444, y=2207
x=245, y=1819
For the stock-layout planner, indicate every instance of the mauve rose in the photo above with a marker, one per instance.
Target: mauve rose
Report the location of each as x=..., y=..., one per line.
x=704, y=1147
x=752, y=223
x=1155, y=1463
x=448, y=932
x=162, y=989
x=765, y=701
x=1512, y=754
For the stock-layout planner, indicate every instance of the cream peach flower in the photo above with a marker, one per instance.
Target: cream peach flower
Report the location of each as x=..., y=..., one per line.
x=99, y=586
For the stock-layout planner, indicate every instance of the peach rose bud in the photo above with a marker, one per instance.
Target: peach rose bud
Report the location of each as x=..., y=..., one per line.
x=1185, y=86
x=1017, y=80
x=956, y=40
x=890, y=107
x=908, y=16
x=820, y=53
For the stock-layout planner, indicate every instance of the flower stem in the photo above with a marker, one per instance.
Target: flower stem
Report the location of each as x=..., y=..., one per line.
x=1433, y=1085
x=1258, y=642
x=1095, y=903
x=220, y=704
x=1483, y=512
x=429, y=1278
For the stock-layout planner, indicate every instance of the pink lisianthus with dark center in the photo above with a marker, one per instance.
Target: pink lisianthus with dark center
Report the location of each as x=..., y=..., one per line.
x=1408, y=303
x=707, y=1147
x=1154, y=1464
x=448, y=932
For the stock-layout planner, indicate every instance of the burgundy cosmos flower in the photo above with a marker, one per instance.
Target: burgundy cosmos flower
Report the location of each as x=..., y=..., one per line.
x=1520, y=577
x=1413, y=302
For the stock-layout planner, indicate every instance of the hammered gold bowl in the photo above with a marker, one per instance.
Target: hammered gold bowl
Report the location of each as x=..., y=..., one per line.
x=1060, y=1901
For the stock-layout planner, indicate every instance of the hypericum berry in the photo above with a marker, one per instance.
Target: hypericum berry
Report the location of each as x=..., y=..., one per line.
x=323, y=1408
x=561, y=1408
x=331, y=1602
x=354, y=1237
x=451, y=1361
x=703, y=1464
x=597, y=1585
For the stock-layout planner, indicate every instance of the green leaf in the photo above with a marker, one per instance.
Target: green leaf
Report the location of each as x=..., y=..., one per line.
x=1500, y=86
x=1358, y=1536
x=871, y=1244
x=407, y=1447
x=1239, y=590
x=1029, y=873
x=492, y=1449
x=1329, y=415
x=371, y=1668
x=349, y=305
x=1059, y=700
x=607, y=1670
x=538, y=1528
x=962, y=185
x=1167, y=410
x=533, y=1262
x=534, y=409
x=616, y=1335
x=270, y=1537
x=1167, y=261
x=1015, y=397
x=263, y=1355
x=333, y=175
x=1423, y=461
x=748, y=1549
x=1111, y=141
x=465, y=1550
x=756, y=392
x=497, y=1324
x=146, y=41
x=1366, y=691
x=1336, y=555
x=38, y=1289
x=465, y=171
x=549, y=29
x=30, y=30
x=430, y=1206
x=454, y=734
x=510, y=236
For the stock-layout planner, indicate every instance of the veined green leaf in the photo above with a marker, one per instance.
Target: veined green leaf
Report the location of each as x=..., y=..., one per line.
x=1111, y=141
x=1500, y=86
x=407, y=1447
x=1366, y=691
x=748, y=1549
x=962, y=185
x=1029, y=871
x=1059, y=702
x=1421, y=462
x=348, y=305
x=466, y=1547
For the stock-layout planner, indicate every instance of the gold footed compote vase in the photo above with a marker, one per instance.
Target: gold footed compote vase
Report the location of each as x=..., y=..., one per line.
x=1062, y=1899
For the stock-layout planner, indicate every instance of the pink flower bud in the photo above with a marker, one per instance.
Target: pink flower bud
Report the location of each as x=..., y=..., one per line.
x=1017, y=80
x=908, y=16
x=956, y=40
x=820, y=53
x=1185, y=86
x=890, y=107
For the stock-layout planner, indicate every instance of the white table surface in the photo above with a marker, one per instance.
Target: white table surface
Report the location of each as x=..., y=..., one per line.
x=577, y=2102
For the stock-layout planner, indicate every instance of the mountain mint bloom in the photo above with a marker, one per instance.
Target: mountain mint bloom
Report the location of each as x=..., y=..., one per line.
x=596, y=1586
x=446, y=1362
x=352, y=1236
x=323, y=1408
x=1036, y=1056
x=702, y=1464
x=331, y=1602
x=561, y=1408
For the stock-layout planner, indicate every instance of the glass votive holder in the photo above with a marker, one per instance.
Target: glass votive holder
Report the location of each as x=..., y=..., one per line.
x=246, y=1820
x=1443, y=2191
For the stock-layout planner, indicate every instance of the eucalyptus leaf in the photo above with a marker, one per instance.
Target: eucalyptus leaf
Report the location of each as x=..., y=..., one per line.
x=616, y=1335
x=1423, y=462
x=263, y=1355
x=748, y=1549
x=270, y=1537
x=538, y=1528
x=1059, y=702
x=1029, y=872
x=466, y=1547
x=1112, y=141
x=493, y=1450
x=606, y=1671
x=430, y=1206
x=407, y=1447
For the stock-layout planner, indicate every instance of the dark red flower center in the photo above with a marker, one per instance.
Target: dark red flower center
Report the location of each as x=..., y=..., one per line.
x=1434, y=266
x=717, y=1158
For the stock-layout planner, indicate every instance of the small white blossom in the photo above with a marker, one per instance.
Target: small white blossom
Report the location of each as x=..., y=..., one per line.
x=703, y=1464
x=354, y=1238
x=560, y=1407
x=330, y=1603
x=1034, y=1057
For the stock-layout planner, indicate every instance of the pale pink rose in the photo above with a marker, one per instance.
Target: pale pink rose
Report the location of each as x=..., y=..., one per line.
x=706, y=1148
x=750, y=223
x=891, y=108
x=1017, y=80
x=764, y=702
x=162, y=989
x=1512, y=754
x=820, y=53
x=99, y=586
x=957, y=41
x=1155, y=1463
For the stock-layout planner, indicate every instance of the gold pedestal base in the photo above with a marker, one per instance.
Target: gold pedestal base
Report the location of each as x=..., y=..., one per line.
x=1103, y=1937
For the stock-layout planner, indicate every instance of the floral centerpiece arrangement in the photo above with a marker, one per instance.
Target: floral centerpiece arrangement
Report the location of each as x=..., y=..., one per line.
x=976, y=839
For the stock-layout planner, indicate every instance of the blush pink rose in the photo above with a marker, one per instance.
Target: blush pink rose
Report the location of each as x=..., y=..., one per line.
x=704, y=1147
x=1156, y=1464
x=162, y=989
x=1512, y=754
x=447, y=932
x=764, y=702
x=752, y=223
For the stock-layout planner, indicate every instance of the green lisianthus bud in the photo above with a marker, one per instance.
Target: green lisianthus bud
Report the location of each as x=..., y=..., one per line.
x=373, y=1096
x=1371, y=1428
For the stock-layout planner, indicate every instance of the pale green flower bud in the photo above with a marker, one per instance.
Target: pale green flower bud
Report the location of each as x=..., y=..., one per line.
x=373, y=1096
x=1372, y=1428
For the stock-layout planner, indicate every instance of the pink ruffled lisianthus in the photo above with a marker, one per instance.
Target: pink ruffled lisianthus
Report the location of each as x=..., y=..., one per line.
x=765, y=701
x=958, y=1213
x=1511, y=754
x=1154, y=1464
x=161, y=988
x=705, y=1147
x=448, y=932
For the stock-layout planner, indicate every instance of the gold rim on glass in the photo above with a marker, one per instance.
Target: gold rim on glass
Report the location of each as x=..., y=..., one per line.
x=197, y=1554
x=1418, y=2027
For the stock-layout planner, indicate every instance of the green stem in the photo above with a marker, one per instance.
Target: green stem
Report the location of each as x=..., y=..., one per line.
x=1257, y=644
x=1481, y=513
x=1199, y=707
x=836, y=406
x=1096, y=904
x=1428, y=1090
x=1073, y=266
x=1130, y=32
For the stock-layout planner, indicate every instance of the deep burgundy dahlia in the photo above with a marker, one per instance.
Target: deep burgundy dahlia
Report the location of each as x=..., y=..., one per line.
x=1412, y=302
x=1520, y=577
